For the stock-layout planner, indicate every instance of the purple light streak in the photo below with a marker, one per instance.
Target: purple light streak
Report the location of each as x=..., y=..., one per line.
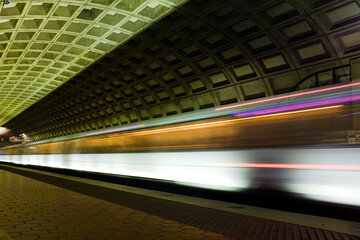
x=301, y=105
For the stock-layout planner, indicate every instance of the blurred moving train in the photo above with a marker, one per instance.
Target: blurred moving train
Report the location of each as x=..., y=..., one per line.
x=297, y=143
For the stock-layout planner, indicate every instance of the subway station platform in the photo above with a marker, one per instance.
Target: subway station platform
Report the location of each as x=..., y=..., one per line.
x=41, y=205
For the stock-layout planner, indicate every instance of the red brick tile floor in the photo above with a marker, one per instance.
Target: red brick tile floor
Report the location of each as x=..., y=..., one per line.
x=73, y=209
x=30, y=209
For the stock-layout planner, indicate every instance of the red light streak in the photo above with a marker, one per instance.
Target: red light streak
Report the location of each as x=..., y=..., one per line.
x=287, y=166
x=287, y=113
x=288, y=96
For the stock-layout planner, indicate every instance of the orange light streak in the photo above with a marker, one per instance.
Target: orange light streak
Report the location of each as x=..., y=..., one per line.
x=202, y=125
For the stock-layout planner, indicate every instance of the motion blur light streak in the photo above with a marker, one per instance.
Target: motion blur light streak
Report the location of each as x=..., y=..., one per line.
x=202, y=125
x=193, y=126
x=326, y=193
x=178, y=167
x=293, y=112
x=287, y=166
x=303, y=150
x=288, y=96
x=301, y=105
x=190, y=168
x=350, y=114
x=36, y=143
x=115, y=130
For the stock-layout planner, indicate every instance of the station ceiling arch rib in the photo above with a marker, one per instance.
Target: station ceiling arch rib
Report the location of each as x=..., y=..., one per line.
x=204, y=54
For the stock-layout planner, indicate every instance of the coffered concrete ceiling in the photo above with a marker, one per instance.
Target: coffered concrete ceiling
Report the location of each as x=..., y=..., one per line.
x=43, y=43
x=205, y=54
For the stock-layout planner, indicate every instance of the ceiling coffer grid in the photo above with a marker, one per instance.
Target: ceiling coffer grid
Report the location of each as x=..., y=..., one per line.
x=204, y=54
x=45, y=43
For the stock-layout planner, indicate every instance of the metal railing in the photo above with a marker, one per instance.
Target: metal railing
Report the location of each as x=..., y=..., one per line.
x=325, y=77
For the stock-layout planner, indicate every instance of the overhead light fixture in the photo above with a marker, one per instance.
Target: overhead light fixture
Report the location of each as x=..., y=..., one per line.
x=36, y=3
x=153, y=4
x=3, y=130
x=133, y=19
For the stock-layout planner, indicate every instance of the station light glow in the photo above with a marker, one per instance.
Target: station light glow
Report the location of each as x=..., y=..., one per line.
x=3, y=130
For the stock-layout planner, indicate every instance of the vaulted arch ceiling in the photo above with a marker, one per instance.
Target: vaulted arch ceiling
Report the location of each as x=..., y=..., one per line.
x=204, y=54
x=44, y=43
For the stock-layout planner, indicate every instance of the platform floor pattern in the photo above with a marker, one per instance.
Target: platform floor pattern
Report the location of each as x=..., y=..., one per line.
x=34, y=205
x=30, y=209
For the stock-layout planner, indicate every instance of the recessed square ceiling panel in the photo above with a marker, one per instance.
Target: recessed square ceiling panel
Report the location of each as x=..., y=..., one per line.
x=53, y=40
x=312, y=52
x=298, y=30
x=274, y=62
x=351, y=41
x=344, y=12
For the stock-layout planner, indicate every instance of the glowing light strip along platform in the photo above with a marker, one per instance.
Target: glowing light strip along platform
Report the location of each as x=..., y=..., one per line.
x=299, y=106
x=286, y=165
